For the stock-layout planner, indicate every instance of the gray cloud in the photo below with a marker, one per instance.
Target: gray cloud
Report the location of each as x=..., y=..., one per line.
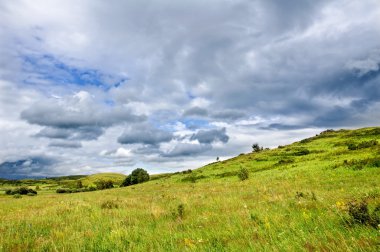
x=196, y=111
x=29, y=167
x=79, y=133
x=144, y=135
x=209, y=136
x=65, y=144
x=187, y=149
x=77, y=111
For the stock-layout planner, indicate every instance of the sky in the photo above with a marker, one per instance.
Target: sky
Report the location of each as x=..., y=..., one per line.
x=90, y=86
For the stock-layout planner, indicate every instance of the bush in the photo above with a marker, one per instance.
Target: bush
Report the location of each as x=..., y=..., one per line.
x=109, y=204
x=137, y=176
x=243, y=174
x=359, y=213
x=181, y=211
x=17, y=196
x=63, y=190
x=362, y=145
x=192, y=178
x=302, y=152
x=21, y=191
x=256, y=147
x=104, y=184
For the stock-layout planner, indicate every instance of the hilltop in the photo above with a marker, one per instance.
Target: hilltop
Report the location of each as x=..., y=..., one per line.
x=319, y=194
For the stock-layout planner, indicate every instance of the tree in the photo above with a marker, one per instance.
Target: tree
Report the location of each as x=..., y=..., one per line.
x=79, y=184
x=137, y=176
x=217, y=159
x=256, y=147
x=103, y=184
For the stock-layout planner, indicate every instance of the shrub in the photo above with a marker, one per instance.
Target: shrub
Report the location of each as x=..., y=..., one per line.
x=359, y=213
x=109, y=204
x=302, y=152
x=192, y=178
x=104, y=184
x=31, y=194
x=285, y=161
x=137, y=176
x=79, y=184
x=21, y=191
x=226, y=174
x=243, y=174
x=187, y=171
x=63, y=190
x=362, y=145
x=181, y=211
x=256, y=147
x=17, y=196
x=91, y=188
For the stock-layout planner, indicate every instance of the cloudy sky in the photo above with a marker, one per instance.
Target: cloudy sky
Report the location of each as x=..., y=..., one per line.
x=92, y=86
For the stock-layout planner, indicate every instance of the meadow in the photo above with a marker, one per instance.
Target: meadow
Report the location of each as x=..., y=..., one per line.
x=318, y=194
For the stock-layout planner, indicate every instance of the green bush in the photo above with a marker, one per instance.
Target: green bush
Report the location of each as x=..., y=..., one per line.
x=109, y=204
x=21, y=191
x=192, y=178
x=104, y=184
x=137, y=176
x=362, y=145
x=359, y=213
x=243, y=174
x=17, y=196
x=302, y=152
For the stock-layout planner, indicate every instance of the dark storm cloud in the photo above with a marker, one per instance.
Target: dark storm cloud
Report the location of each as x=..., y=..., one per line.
x=209, y=136
x=28, y=167
x=145, y=135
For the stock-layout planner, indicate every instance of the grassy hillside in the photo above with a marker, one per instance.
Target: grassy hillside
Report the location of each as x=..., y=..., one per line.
x=308, y=196
x=117, y=178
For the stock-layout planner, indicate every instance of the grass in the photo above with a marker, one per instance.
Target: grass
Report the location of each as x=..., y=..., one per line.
x=297, y=205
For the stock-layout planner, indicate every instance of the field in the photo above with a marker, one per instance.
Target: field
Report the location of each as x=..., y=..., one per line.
x=311, y=195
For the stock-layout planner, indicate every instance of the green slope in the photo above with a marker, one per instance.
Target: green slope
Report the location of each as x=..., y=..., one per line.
x=297, y=198
x=116, y=178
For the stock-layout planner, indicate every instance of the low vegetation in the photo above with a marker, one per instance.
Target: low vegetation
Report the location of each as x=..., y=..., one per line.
x=324, y=199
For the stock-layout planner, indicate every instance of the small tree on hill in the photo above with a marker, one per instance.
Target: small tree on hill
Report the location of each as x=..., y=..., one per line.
x=137, y=176
x=256, y=147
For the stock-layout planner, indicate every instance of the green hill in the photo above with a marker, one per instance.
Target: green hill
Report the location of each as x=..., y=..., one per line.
x=116, y=178
x=318, y=194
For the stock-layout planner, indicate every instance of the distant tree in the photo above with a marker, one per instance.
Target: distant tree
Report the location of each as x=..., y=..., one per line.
x=256, y=147
x=79, y=184
x=217, y=159
x=104, y=184
x=137, y=176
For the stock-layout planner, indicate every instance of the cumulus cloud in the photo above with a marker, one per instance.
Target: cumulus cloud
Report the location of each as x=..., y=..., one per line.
x=144, y=134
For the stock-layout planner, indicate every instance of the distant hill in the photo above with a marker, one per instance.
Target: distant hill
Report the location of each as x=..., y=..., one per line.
x=117, y=178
